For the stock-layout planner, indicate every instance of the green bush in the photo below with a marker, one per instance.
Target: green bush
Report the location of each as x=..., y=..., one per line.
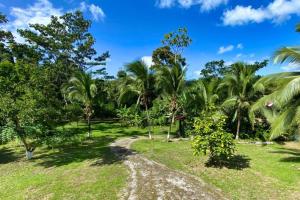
x=7, y=133
x=210, y=137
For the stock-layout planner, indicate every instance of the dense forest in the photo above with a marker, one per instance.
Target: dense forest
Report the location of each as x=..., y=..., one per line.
x=56, y=77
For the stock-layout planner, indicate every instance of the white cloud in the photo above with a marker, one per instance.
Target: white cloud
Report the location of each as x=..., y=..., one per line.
x=197, y=73
x=223, y=49
x=147, y=60
x=277, y=11
x=239, y=55
x=97, y=12
x=228, y=63
x=240, y=46
x=40, y=12
x=165, y=3
x=205, y=5
x=83, y=6
x=291, y=67
x=211, y=4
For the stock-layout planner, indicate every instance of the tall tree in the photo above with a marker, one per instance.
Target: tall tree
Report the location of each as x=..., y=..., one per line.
x=172, y=82
x=82, y=88
x=170, y=67
x=240, y=83
x=142, y=85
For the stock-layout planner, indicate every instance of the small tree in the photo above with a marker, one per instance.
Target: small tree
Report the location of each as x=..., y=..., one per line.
x=209, y=136
x=81, y=87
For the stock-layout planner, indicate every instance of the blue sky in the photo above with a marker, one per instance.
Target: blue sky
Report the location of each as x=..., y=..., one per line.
x=233, y=30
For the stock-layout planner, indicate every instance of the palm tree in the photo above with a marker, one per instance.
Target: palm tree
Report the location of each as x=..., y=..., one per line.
x=82, y=88
x=172, y=81
x=281, y=107
x=241, y=86
x=140, y=83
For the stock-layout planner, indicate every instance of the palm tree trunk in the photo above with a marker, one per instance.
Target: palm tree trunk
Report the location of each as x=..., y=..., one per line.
x=89, y=127
x=238, y=123
x=170, y=128
x=148, y=122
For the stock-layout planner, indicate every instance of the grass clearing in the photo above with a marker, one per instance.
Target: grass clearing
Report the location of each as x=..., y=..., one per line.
x=85, y=169
x=261, y=172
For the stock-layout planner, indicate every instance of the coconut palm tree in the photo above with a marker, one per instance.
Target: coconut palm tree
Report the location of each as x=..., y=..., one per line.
x=171, y=79
x=82, y=88
x=199, y=96
x=281, y=107
x=140, y=83
x=242, y=89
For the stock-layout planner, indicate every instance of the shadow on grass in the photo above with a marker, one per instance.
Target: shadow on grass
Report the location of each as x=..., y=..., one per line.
x=95, y=148
x=291, y=155
x=8, y=155
x=237, y=162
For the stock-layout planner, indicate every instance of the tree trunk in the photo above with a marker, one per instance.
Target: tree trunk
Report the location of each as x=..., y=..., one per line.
x=170, y=128
x=148, y=122
x=238, y=124
x=21, y=134
x=89, y=126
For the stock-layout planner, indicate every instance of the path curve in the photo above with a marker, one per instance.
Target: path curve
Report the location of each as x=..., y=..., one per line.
x=151, y=180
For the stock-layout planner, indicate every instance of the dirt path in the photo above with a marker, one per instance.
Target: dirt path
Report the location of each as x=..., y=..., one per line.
x=151, y=180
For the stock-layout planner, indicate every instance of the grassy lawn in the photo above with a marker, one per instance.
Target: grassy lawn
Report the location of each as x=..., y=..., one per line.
x=258, y=172
x=85, y=169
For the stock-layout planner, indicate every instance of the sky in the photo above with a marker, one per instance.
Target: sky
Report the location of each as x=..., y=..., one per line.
x=232, y=30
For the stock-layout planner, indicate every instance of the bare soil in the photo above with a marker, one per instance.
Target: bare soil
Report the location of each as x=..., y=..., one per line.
x=151, y=180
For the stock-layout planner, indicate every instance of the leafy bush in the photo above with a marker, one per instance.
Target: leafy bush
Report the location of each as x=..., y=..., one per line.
x=209, y=136
x=7, y=133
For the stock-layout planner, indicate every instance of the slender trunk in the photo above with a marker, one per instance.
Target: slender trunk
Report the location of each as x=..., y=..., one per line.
x=148, y=122
x=170, y=128
x=238, y=123
x=89, y=126
x=21, y=134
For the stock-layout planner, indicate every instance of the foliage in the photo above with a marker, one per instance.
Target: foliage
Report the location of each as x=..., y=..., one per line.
x=82, y=88
x=215, y=69
x=131, y=117
x=242, y=90
x=209, y=136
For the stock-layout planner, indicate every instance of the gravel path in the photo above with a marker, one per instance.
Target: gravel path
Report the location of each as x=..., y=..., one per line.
x=151, y=180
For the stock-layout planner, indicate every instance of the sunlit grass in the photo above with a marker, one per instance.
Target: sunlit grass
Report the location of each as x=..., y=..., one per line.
x=273, y=171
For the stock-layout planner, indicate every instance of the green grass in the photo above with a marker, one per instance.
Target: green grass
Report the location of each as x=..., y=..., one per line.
x=83, y=169
x=259, y=172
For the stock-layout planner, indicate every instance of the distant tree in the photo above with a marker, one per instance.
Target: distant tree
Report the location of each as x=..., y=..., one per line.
x=177, y=41
x=142, y=85
x=164, y=56
x=81, y=87
x=240, y=83
x=215, y=69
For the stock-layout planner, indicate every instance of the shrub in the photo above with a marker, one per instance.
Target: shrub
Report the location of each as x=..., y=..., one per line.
x=210, y=137
x=7, y=133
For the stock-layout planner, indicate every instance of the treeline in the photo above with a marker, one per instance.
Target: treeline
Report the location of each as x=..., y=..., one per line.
x=56, y=76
